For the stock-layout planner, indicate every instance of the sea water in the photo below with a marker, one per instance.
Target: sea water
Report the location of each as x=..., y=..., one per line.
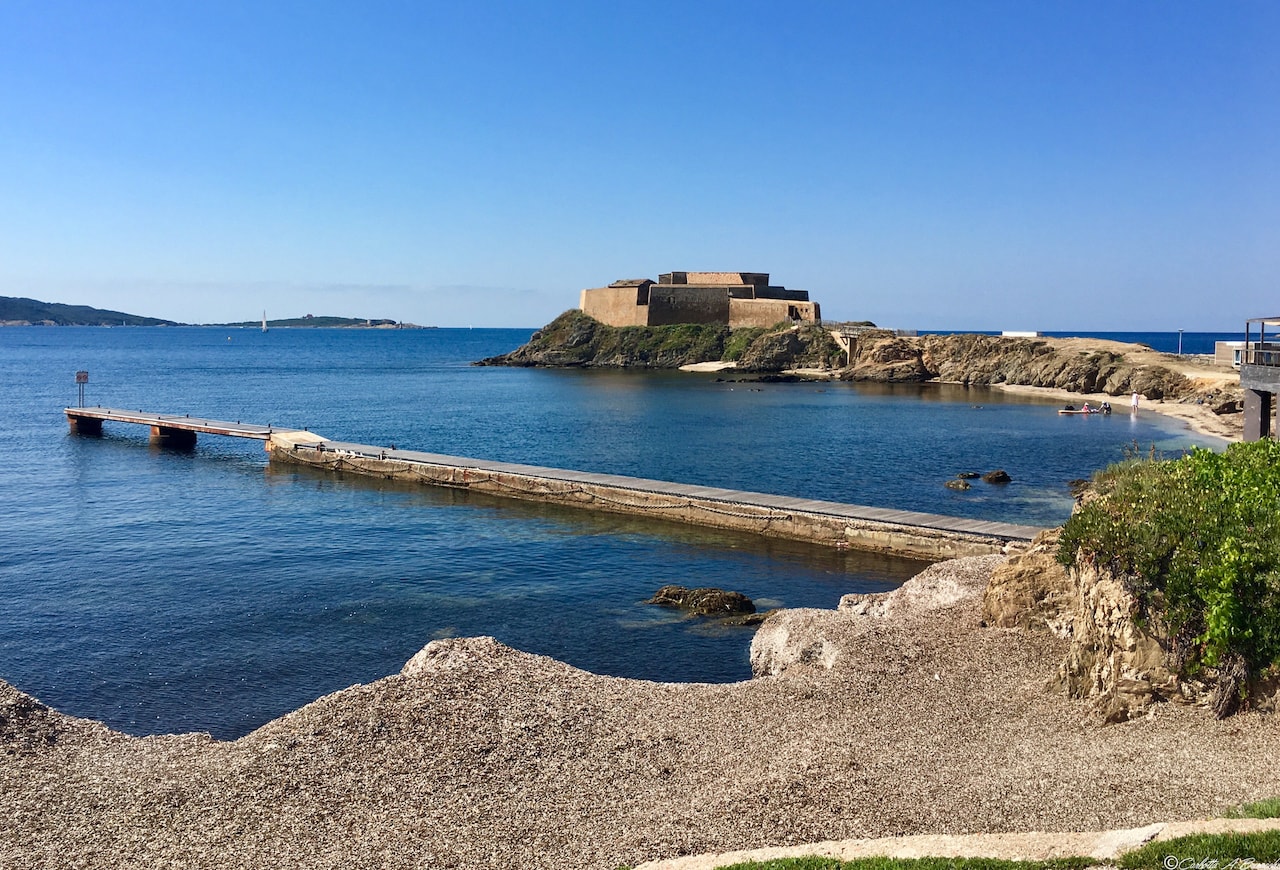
x=164, y=591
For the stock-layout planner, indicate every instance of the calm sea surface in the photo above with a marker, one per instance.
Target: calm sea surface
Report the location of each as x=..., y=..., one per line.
x=165, y=591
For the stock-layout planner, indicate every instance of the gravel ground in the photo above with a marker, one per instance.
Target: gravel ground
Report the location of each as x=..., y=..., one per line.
x=477, y=755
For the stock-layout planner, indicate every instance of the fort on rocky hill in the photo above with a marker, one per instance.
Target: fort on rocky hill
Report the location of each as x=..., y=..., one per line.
x=731, y=298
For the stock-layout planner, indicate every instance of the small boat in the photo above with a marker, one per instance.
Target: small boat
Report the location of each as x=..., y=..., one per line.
x=1081, y=411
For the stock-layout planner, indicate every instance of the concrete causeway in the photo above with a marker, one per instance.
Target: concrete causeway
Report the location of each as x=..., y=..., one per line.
x=913, y=533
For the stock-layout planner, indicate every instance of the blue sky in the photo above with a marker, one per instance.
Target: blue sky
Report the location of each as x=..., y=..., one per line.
x=984, y=165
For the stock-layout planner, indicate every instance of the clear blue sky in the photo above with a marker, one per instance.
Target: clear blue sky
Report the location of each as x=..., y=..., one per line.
x=985, y=165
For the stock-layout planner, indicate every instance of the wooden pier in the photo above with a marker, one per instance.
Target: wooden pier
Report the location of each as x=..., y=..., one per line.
x=178, y=430
x=924, y=535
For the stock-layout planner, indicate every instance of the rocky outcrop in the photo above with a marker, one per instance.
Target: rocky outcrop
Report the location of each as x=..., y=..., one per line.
x=798, y=347
x=810, y=638
x=1031, y=590
x=576, y=340
x=1119, y=663
x=877, y=355
x=1115, y=661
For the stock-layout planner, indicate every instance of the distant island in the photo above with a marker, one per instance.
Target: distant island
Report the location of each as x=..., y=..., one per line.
x=19, y=311
x=310, y=321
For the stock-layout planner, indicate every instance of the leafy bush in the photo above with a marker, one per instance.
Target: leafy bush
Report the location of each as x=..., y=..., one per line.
x=1197, y=541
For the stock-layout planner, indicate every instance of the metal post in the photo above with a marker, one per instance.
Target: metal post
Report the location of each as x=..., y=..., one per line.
x=1179, y=342
x=82, y=378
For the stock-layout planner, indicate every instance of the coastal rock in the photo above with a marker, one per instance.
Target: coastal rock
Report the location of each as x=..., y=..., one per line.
x=958, y=484
x=811, y=640
x=1120, y=665
x=1031, y=590
x=576, y=340
x=997, y=476
x=968, y=475
x=884, y=357
x=808, y=346
x=705, y=601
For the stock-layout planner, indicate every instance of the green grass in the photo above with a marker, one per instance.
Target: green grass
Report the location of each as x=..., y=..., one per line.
x=1263, y=809
x=913, y=864
x=1195, y=852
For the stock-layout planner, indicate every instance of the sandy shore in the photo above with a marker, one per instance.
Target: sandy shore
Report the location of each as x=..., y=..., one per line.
x=476, y=755
x=1199, y=418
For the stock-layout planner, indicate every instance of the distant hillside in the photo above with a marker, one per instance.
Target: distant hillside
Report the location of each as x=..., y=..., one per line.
x=15, y=310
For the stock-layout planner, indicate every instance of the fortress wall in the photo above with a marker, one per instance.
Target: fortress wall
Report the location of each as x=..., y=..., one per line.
x=615, y=306
x=768, y=312
x=669, y=304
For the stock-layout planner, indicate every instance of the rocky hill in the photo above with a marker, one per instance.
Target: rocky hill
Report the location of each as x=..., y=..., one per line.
x=575, y=340
x=1077, y=365
x=19, y=311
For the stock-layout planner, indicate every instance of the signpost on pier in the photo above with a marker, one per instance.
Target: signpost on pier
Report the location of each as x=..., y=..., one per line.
x=82, y=378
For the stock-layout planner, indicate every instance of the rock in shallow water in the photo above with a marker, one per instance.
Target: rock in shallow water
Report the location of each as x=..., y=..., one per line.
x=703, y=602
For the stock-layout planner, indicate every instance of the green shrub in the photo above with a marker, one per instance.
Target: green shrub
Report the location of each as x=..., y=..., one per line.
x=1197, y=541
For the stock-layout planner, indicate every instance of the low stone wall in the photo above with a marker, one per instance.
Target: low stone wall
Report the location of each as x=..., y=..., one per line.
x=914, y=541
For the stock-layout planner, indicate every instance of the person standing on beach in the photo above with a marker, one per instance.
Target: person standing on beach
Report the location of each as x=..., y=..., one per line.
x=1133, y=403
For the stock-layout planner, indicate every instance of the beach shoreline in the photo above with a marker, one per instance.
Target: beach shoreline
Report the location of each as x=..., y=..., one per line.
x=1199, y=418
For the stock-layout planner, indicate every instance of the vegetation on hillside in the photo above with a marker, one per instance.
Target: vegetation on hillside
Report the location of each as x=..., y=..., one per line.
x=1197, y=542
x=575, y=339
x=16, y=309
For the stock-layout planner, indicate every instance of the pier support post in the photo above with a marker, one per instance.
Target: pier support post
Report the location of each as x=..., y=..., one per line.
x=1257, y=414
x=90, y=426
x=180, y=439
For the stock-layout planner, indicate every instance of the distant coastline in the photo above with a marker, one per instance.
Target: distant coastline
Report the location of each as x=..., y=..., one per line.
x=20, y=311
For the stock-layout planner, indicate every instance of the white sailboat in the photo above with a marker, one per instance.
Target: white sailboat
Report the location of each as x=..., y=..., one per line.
x=264, y=321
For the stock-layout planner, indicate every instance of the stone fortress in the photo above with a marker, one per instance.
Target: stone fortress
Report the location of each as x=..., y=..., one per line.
x=733, y=298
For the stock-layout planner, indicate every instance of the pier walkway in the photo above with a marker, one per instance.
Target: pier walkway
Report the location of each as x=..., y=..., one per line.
x=908, y=532
x=167, y=427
